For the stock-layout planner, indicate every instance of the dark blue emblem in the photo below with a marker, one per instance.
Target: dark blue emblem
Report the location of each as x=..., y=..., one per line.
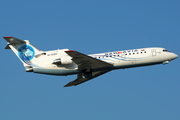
x=26, y=53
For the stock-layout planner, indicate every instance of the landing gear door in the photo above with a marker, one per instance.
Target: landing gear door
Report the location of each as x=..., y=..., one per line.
x=153, y=52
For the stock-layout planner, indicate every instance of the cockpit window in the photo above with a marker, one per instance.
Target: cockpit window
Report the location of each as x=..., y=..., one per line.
x=165, y=50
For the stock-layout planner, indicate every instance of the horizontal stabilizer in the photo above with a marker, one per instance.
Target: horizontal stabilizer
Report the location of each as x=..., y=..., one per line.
x=13, y=40
x=7, y=47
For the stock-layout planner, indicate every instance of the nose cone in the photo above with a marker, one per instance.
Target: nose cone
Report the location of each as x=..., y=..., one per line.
x=174, y=56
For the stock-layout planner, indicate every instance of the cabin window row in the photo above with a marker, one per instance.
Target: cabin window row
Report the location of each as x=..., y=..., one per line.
x=119, y=55
x=135, y=53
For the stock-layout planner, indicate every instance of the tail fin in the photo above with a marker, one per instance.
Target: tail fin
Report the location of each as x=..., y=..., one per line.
x=23, y=50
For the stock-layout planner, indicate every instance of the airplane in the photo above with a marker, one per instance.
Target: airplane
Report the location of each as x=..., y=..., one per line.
x=63, y=62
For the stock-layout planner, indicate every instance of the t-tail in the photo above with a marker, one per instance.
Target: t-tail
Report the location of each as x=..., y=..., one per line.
x=25, y=51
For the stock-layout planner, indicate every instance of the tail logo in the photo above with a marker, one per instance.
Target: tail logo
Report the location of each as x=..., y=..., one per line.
x=26, y=53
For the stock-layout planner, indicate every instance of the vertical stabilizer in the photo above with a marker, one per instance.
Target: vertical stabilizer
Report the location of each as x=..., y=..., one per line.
x=23, y=50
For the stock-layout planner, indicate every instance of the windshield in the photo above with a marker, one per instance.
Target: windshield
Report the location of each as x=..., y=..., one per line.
x=166, y=50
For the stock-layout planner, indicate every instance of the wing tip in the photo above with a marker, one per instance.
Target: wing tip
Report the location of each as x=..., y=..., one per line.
x=68, y=85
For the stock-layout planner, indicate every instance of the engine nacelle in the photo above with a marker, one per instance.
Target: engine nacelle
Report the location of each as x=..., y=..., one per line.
x=66, y=61
x=63, y=61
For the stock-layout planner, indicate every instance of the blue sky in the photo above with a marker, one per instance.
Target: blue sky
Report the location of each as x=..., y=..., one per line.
x=96, y=26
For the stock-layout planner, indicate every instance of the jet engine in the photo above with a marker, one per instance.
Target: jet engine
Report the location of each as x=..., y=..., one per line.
x=63, y=61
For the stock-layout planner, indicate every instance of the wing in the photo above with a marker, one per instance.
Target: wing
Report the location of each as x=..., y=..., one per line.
x=85, y=62
x=80, y=80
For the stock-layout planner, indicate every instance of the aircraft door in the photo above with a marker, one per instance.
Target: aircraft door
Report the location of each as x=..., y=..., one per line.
x=122, y=55
x=153, y=52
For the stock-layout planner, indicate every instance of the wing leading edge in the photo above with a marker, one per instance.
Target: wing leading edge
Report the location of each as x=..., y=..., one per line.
x=85, y=62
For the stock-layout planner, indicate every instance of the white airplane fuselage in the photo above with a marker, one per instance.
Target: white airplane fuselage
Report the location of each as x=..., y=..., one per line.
x=119, y=60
